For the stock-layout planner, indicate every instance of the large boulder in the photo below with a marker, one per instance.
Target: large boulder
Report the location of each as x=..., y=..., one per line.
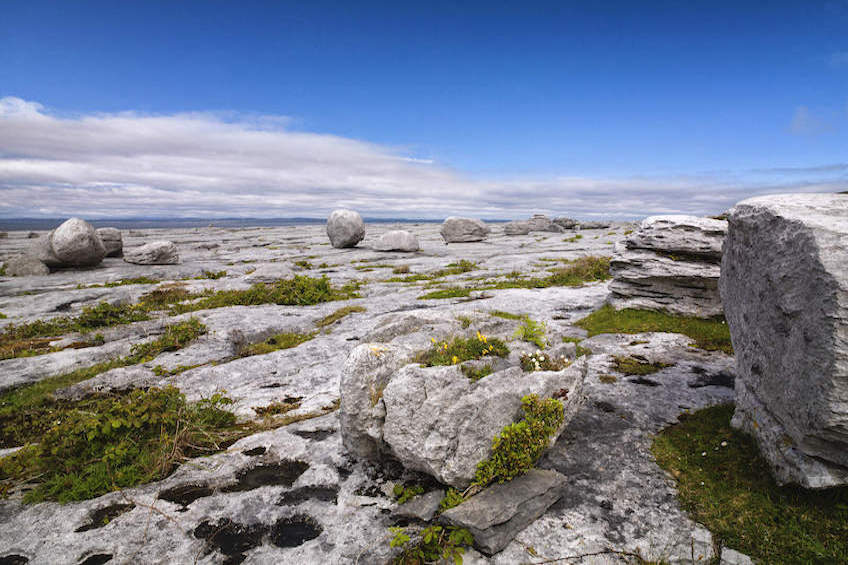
x=397, y=240
x=345, y=228
x=72, y=244
x=463, y=230
x=112, y=241
x=153, y=253
x=540, y=222
x=435, y=419
x=25, y=265
x=516, y=227
x=672, y=264
x=784, y=283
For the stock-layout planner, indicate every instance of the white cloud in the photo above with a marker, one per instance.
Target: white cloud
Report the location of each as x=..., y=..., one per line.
x=230, y=165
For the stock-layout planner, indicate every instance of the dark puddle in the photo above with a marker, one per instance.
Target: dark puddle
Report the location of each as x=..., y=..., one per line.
x=317, y=435
x=185, y=494
x=284, y=473
x=97, y=559
x=14, y=560
x=234, y=539
x=296, y=496
x=255, y=451
x=103, y=516
x=643, y=381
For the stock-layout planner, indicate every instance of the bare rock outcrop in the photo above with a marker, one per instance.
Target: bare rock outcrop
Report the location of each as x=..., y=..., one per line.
x=784, y=284
x=112, y=241
x=153, y=253
x=671, y=263
x=463, y=230
x=24, y=265
x=516, y=227
x=397, y=240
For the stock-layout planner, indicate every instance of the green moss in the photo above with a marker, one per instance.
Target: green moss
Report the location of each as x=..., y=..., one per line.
x=28, y=412
x=533, y=332
x=297, y=291
x=214, y=275
x=506, y=315
x=712, y=334
x=519, y=445
x=285, y=340
x=576, y=273
x=458, y=268
x=573, y=239
x=463, y=349
x=637, y=366
x=277, y=408
x=453, y=292
x=338, y=315
x=607, y=379
x=401, y=270
x=581, y=351
x=3, y=270
x=110, y=442
x=3, y=316
x=723, y=483
x=303, y=264
x=405, y=493
x=122, y=282
x=476, y=374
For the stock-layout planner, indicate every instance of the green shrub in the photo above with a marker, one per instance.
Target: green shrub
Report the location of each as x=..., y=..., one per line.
x=110, y=442
x=519, y=445
x=533, y=332
x=709, y=334
x=452, y=499
x=431, y=545
x=406, y=493
x=461, y=349
x=724, y=484
x=476, y=374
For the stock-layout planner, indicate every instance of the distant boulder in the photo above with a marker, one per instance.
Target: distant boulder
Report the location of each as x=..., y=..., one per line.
x=516, y=227
x=565, y=223
x=540, y=222
x=463, y=230
x=594, y=225
x=33, y=235
x=73, y=244
x=345, y=228
x=112, y=241
x=153, y=253
x=25, y=265
x=397, y=240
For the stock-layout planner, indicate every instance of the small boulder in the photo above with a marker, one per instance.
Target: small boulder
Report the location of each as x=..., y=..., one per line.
x=25, y=265
x=594, y=225
x=153, y=253
x=345, y=228
x=495, y=516
x=397, y=240
x=540, y=222
x=516, y=227
x=565, y=223
x=463, y=230
x=112, y=241
x=72, y=244
x=422, y=507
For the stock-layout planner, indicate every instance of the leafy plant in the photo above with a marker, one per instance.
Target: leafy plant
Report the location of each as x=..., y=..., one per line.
x=452, y=499
x=519, y=445
x=452, y=292
x=432, y=544
x=406, y=493
x=533, y=332
x=462, y=349
x=540, y=362
x=709, y=334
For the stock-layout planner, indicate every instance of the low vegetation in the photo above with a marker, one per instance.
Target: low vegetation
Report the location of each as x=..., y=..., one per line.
x=110, y=442
x=213, y=275
x=452, y=292
x=636, y=365
x=461, y=349
x=338, y=315
x=519, y=445
x=580, y=351
x=540, y=362
x=285, y=340
x=405, y=493
x=576, y=273
x=476, y=373
x=533, y=332
x=506, y=315
x=462, y=266
x=28, y=412
x=708, y=334
x=573, y=239
x=723, y=483
x=431, y=545
x=122, y=282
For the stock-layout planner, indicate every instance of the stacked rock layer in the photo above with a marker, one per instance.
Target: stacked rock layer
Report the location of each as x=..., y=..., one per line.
x=671, y=264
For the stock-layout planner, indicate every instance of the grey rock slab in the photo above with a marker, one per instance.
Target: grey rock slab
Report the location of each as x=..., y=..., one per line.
x=397, y=240
x=423, y=507
x=269, y=273
x=25, y=266
x=112, y=241
x=785, y=288
x=345, y=228
x=442, y=423
x=496, y=515
x=516, y=228
x=153, y=253
x=679, y=234
x=594, y=225
x=540, y=222
x=463, y=230
x=566, y=223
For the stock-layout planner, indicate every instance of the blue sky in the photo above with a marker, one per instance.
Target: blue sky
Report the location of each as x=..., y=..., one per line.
x=522, y=105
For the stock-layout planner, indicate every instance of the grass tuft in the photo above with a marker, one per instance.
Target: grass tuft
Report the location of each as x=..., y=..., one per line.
x=462, y=349
x=338, y=315
x=453, y=292
x=723, y=483
x=637, y=366
x=711, y=335
x=285, y=340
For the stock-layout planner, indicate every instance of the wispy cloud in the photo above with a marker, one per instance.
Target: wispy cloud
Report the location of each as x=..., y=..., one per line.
x=804, y=122
x=220, y=164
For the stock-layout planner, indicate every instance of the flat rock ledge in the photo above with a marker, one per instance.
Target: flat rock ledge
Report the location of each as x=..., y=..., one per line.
x=785, y=289
x=497, y=514
x=671, y=264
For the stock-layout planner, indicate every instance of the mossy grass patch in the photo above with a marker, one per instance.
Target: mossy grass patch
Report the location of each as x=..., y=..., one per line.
x=285, y=340
x=533, y=332
x=724, y=483
x=709, y=334
x=122, y=282
x=452, y=292
x=461, y=349
x=576, y=273
x=338, y=315
x=632, y=365
x=476, y=373
x=506, y=315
